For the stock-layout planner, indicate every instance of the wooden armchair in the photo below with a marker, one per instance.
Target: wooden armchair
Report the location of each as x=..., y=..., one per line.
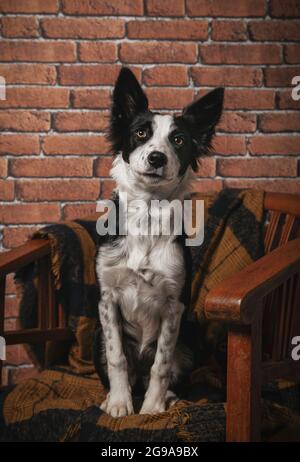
x=260, y=303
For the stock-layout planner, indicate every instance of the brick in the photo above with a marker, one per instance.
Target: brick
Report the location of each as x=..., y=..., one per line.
x=36, y=97
x=286, y=9
x=292, y=54
x=81, y=121
x=273, y=185
x=149, y=52
x=74, y=144
x=280, y=77
x=71, y=211
x=29, y=6
x=227, y=76
x=98, y=52
x=228, y=30
x=51, y=167
x=10, y=324
x=206, y=185
x=58, y=190
x=10, y=310
x=102, y=166
x=240, y=54
x=280, y=122
x=107, y=187
x=170, y=8
x=42, y=74
x=242, y=8
x=237, y=122
x=91, y=28
x=19, y=144
x=274, y=30
x=37, y=51
x=32, y=121
x=10, y=287
x=102, y=74
x=7, y=190
x=179, y=29
x=3, y=167
x=16, y=355
x=93, y=99
x=13, y=237
x=169, y=98
x=249, y=99
x=166, y=76
x=30, y=213
x=271, y=144
x=285, y=100
x=19, y=27
x=206, y=167
x=11, y=307
x=229, y=145
x=102, y=7
x=20, y=374
x=257, y=167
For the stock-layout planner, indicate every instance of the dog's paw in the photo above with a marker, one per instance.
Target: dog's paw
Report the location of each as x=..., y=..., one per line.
x=151, y=406
x=154, y=405
x=118, y=404
x=171, y=399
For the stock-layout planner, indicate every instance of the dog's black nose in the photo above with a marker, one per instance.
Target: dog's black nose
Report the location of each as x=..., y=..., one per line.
x=157, y=159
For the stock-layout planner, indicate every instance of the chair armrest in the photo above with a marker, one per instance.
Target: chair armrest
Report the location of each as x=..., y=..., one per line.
x=52, y=325
x=15, y=259
x=238, y=297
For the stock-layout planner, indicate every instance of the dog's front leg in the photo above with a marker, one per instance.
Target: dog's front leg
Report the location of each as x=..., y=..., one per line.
x=155, y=398
x=118, y=401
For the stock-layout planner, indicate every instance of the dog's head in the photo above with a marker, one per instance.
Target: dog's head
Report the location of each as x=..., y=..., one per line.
x=158, y=148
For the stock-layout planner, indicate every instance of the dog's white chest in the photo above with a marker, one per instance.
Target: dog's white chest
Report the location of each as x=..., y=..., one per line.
x=144, y=272
x=158, y=273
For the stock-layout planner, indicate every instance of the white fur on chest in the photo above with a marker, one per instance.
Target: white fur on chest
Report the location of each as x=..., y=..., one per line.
x=144, y=272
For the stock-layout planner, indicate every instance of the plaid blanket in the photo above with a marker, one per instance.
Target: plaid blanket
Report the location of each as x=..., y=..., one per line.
x=62, y=403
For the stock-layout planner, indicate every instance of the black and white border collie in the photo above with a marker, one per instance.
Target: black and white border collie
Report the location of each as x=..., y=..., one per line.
x=142, y=277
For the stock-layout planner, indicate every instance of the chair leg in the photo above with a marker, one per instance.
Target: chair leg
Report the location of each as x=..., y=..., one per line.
x=243, y=421
x=2, y=314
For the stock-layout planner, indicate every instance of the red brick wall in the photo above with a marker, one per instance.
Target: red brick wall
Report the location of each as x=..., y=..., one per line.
x=60, y=59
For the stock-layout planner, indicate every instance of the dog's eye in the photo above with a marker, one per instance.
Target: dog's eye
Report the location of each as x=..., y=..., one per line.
x=179, y=140
x=141, y=133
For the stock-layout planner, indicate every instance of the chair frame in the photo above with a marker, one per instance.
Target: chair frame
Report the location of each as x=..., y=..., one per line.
x=239, y=301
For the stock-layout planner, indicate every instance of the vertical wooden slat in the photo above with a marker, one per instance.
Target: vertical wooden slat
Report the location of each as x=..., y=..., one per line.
x=277, y=319
x=2, y=315
x=62, y=316
x=271, y=230
x=282, y=294
x=271, y=319
x=46, y=295
x=244, y=383
x=290, y=307
x=52, y=304
x=43, y=293
x=295, y=321
x=269, y=325
x=286, y=229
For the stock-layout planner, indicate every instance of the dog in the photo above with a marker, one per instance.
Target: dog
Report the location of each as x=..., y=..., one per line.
x=142, y=278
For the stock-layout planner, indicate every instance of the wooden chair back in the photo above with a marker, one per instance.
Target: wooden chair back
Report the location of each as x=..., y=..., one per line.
x=281, y=319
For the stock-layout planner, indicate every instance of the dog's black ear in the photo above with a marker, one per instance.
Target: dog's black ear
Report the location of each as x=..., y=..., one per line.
x=128, y=96
x=206, y=111
x=202, y=116
x=128, y=100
